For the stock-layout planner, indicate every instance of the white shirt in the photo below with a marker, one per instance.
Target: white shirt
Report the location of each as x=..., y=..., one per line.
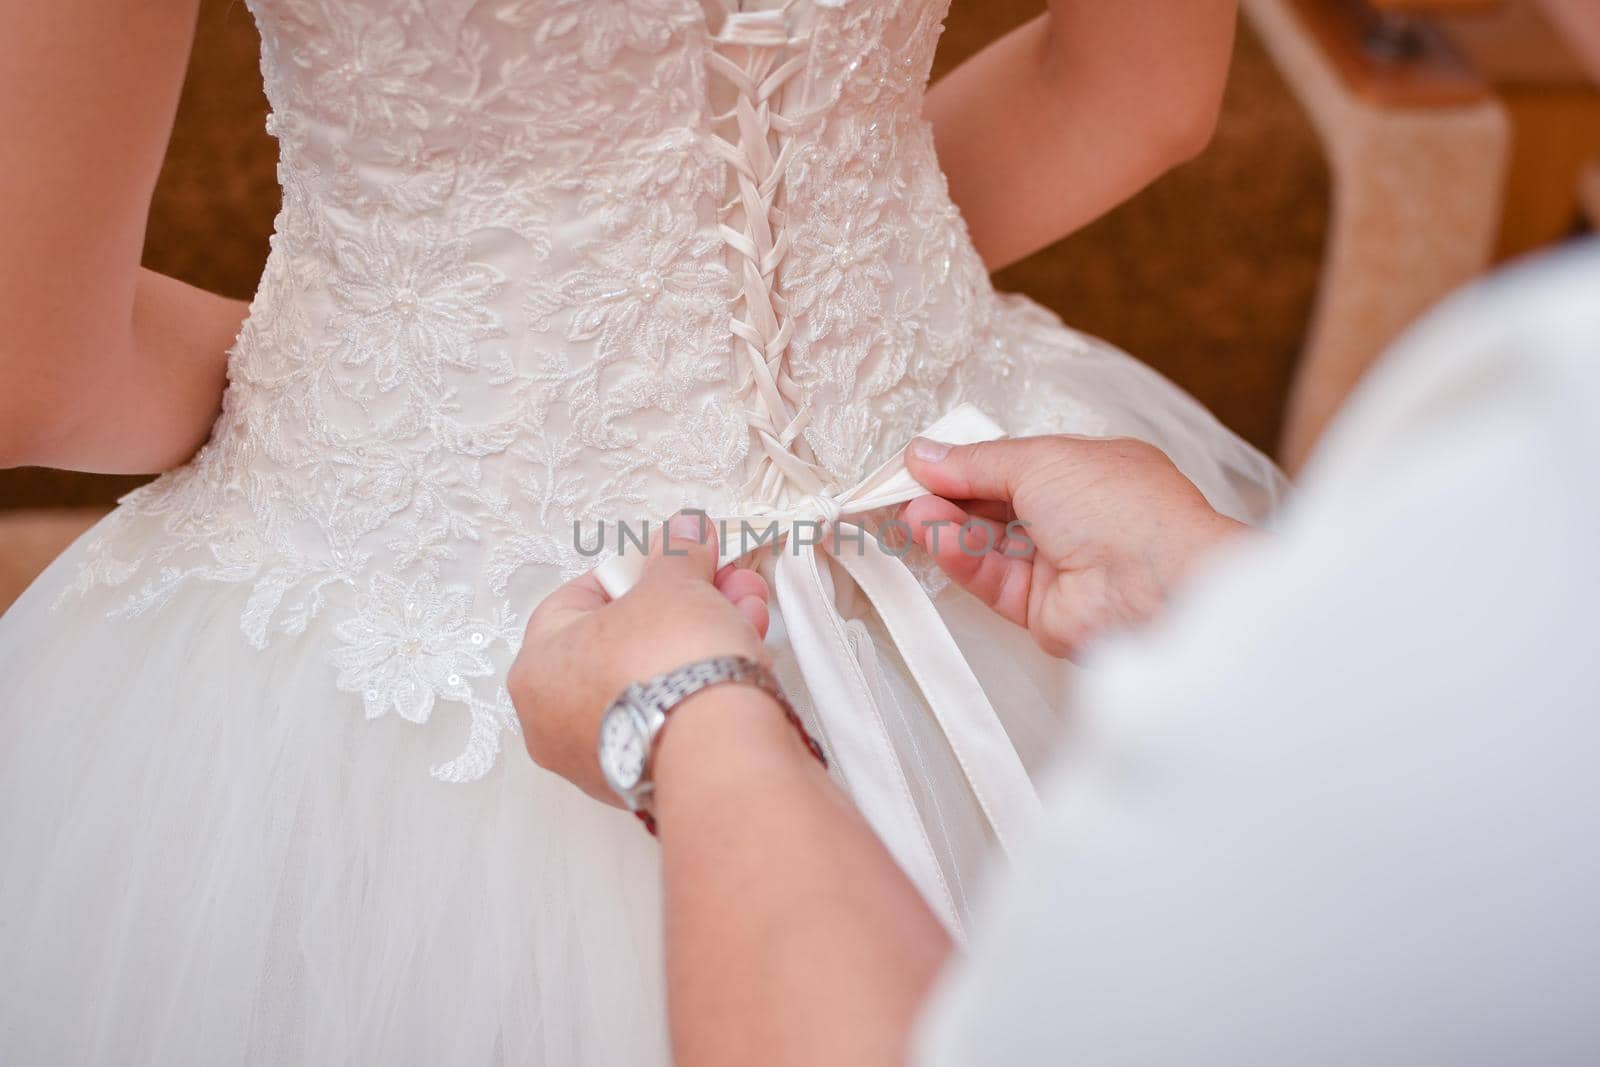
x=1343, y=804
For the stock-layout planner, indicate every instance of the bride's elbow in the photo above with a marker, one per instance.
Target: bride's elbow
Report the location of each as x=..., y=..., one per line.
x=16, y=444
x=1187, y=131
x=30, y=422
x=21, y=432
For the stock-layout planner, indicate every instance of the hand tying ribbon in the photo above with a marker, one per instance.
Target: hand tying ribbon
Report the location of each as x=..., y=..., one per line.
x=840, y=670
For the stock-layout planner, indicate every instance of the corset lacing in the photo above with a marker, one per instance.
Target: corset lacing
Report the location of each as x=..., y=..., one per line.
x=755, y=52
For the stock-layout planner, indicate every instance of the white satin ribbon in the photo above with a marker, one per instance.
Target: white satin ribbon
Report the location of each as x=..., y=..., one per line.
x=842, y=677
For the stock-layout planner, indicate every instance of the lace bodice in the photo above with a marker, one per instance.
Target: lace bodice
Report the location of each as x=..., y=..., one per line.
x=542, y=261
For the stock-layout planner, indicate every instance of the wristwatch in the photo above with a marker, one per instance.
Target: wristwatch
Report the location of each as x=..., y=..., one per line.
x=634, y=721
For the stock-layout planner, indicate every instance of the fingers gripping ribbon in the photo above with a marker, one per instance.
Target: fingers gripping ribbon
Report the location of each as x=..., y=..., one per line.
x=839, y=681
x=757, y=55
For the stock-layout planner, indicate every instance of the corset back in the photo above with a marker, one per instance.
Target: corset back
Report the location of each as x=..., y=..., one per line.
x=543, y=237
x=543, y=263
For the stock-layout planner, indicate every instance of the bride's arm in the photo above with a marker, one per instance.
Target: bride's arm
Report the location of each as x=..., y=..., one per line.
x=104, y=366
x=1075, y=111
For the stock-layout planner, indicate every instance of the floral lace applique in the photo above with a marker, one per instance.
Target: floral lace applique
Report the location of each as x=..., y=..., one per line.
x=498, y=303
x=410, y=304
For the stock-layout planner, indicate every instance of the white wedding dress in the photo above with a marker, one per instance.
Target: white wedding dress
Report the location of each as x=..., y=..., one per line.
x=539, y=262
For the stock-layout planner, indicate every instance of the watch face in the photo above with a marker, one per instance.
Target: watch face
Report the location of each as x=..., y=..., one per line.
x=622, y=748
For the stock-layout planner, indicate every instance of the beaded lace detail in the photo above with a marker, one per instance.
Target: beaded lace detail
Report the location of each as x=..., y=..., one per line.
x=530, y=272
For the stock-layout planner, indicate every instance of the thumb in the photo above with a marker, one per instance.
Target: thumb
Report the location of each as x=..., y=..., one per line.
x=987, y=470
x=685, y=548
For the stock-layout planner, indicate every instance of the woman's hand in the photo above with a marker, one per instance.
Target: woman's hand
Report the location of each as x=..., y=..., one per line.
x=581, y=650
x=1111, y=526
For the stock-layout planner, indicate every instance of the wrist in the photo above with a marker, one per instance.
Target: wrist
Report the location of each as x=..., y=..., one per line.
x=1206, y=536
x=738, y=721
x=724, y=741
x=707, y=715
x=1220, y=531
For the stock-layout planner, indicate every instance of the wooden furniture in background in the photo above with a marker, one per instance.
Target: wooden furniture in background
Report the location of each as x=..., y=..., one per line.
x=1458, y=131
x=1553, y=102
x=1386, y=52
x=1418, y=148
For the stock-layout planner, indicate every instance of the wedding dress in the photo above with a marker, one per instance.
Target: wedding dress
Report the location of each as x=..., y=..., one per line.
x=539, y=262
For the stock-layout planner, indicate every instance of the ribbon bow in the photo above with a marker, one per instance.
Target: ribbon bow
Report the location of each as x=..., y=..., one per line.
x=840, y=671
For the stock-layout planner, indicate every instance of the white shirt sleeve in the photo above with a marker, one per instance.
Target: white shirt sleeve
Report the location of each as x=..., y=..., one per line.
x=1343, y=806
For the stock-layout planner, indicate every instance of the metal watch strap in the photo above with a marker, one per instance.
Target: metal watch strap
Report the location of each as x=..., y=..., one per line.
x=668, y=690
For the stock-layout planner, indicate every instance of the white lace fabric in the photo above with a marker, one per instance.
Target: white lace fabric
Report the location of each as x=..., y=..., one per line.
x=539, y=262
x=546, y=262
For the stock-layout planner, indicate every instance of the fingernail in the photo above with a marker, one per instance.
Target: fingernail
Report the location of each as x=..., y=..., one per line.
x=929, y=451
x=688, y=526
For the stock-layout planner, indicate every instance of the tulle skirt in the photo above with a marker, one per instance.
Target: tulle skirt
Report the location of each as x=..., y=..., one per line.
x=208, y=855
